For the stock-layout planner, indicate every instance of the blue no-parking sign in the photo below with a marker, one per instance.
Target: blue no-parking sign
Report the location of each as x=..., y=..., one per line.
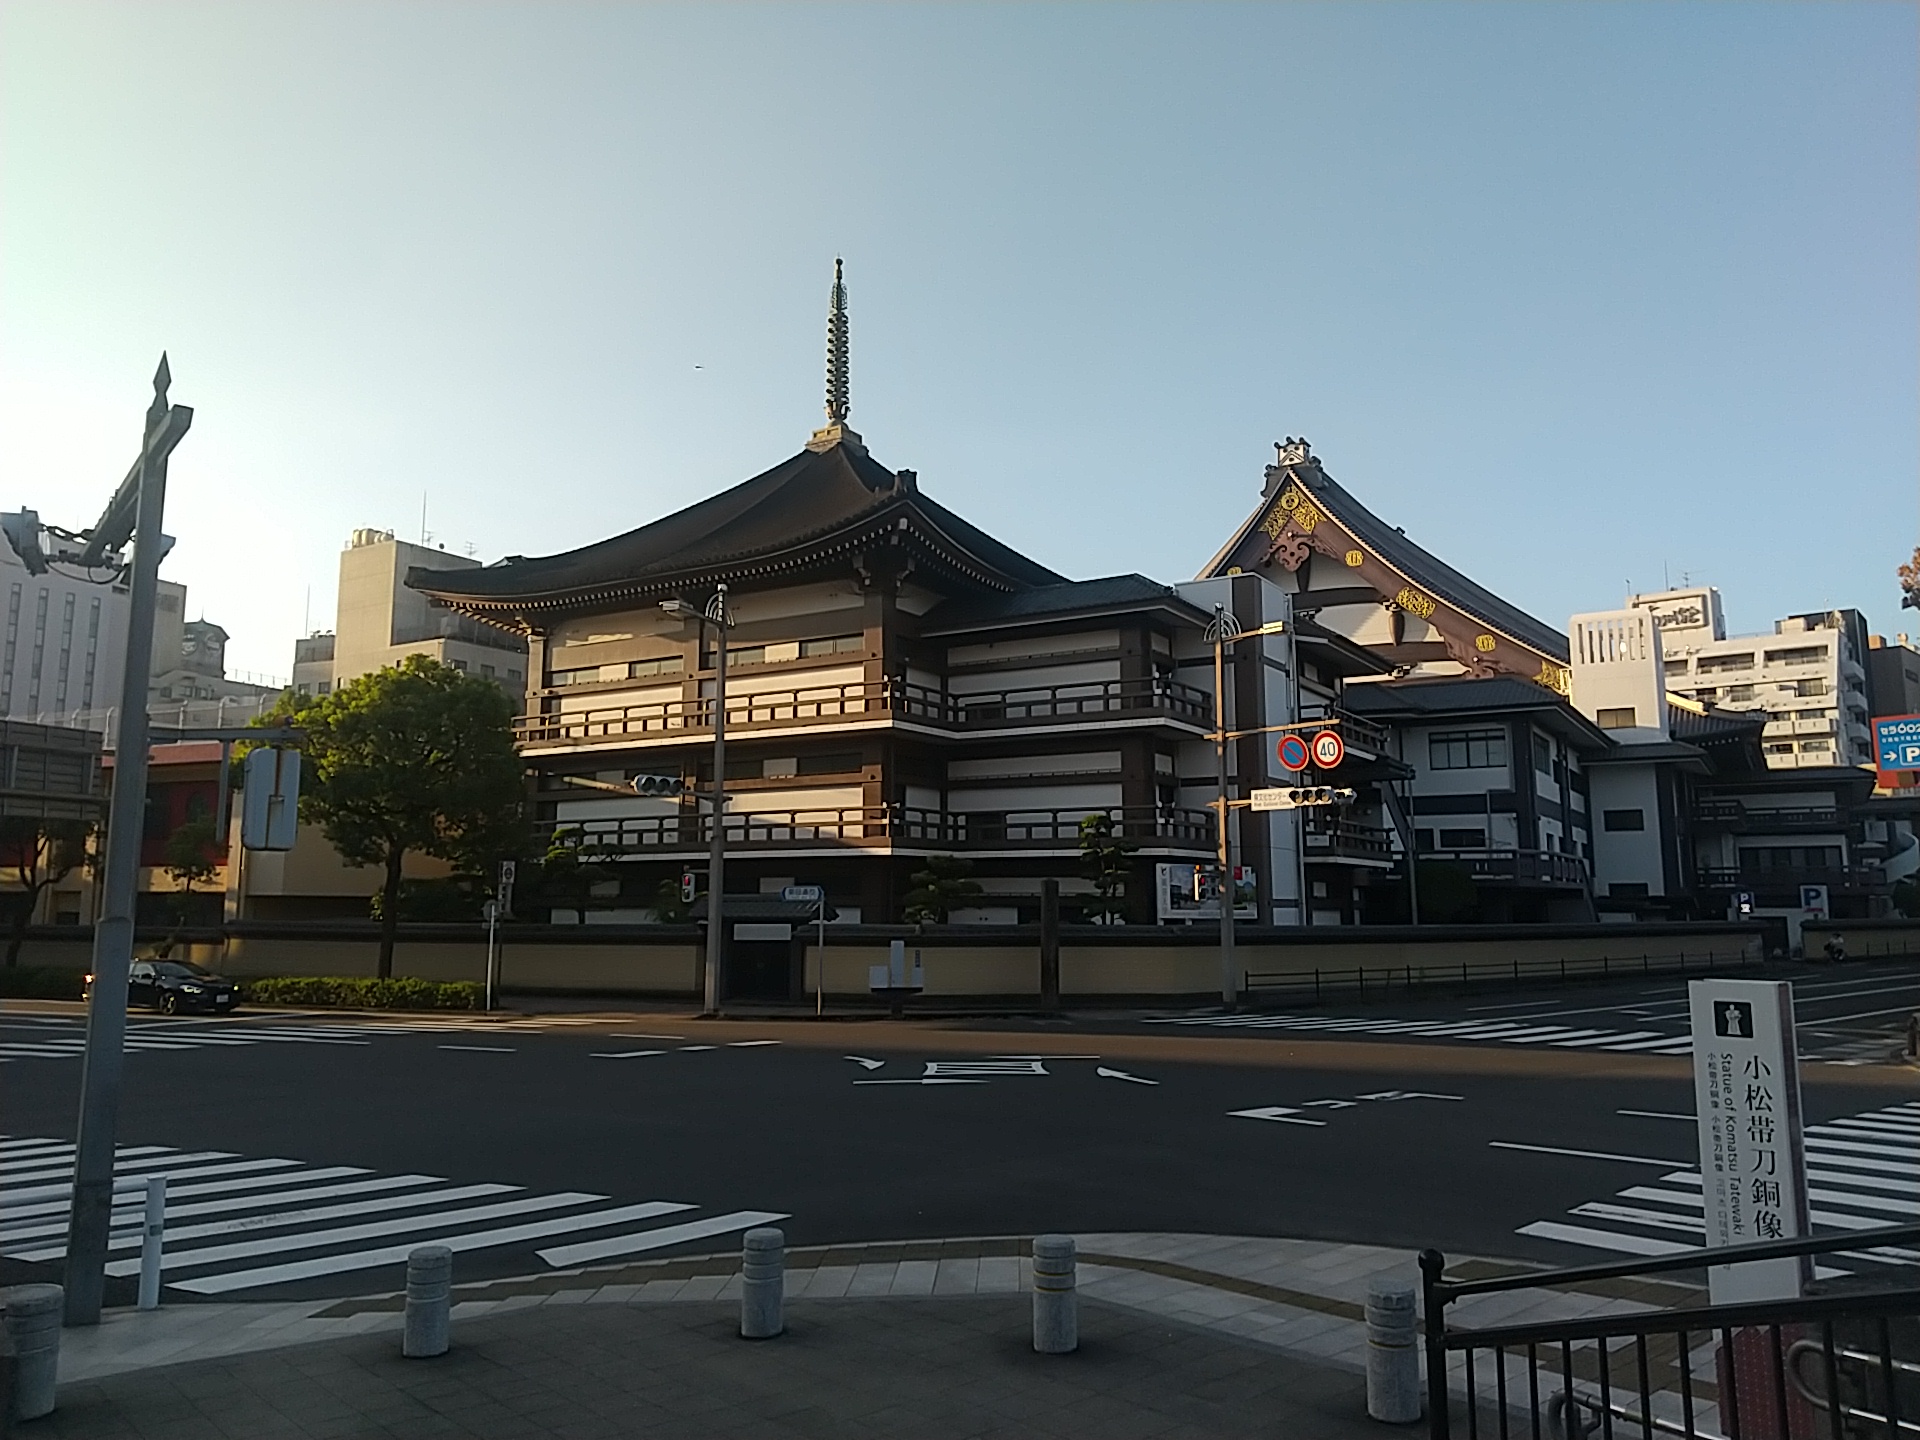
x=1896, y=739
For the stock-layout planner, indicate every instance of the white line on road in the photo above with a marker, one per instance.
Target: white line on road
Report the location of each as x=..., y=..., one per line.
x=489, y=1049
x=744, y=1044
x=1654, y=1114
x=1583, y=1154
x=1122, y=1075
x=622, y=1054
x=1285, y=1114
x=590, y=1250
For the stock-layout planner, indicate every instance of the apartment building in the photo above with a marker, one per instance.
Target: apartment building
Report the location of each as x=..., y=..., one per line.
x=1808, y=677
x=378, y=621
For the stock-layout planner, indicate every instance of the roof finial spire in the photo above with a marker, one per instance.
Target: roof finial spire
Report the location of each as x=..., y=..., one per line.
x=836, y=431
x=837, y=349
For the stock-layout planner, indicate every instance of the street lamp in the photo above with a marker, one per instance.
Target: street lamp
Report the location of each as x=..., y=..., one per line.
x=1221, y=632
x=716, y=614
x=133, y=514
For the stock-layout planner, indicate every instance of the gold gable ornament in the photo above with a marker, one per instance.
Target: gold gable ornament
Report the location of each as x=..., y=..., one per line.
x=1557, y=678
x=1354, y=559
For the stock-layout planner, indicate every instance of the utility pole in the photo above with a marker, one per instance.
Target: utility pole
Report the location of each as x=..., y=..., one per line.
x=137, y=508
x=1223, y=632
x=717, y=842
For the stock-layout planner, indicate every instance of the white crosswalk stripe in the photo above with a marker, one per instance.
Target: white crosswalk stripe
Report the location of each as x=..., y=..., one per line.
x=1484, y=1032
x=34, y=1037
x=1862, y=1171
x=237, y=1223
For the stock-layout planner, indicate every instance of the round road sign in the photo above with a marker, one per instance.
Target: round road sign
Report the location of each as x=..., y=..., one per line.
x=1328, y=751
x=1293, y=752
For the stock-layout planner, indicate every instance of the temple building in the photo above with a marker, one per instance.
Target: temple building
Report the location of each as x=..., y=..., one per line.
x=900, y=686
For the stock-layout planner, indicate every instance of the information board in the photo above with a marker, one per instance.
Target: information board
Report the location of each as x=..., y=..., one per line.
x=1753, y=1170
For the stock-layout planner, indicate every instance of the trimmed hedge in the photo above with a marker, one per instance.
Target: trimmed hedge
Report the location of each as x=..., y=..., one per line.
x=361, y=993
x=36, y=982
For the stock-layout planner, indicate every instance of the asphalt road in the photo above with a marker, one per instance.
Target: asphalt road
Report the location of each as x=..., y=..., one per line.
x=307, y=1153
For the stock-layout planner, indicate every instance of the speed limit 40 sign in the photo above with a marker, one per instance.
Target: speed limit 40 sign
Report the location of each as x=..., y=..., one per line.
x=1328, y=749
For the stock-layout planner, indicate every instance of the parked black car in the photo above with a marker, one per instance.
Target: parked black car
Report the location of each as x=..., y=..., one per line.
x=177, y=986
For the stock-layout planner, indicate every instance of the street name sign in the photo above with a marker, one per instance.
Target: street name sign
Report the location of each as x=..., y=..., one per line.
x=1753, y=1168
x=803, y=894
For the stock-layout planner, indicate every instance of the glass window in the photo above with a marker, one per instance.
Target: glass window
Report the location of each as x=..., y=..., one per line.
x=1623, y=819
x=1543, y=753
x=838, y=645
x=1621, y=717
x=665, y=665
x=1463, y=839
x=1467, y=749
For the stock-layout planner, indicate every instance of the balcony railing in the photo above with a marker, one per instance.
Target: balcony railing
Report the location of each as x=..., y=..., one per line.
x=1347, y=840
x=1532, y=867
x=1357, y=734
x=1735, y=815
x=885, y=825
x=867, y=700
x=1753, y=877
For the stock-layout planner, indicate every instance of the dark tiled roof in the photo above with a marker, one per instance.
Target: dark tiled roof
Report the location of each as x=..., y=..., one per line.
x=1071, y=597
x=1428, y=571
x=1448, y=696
x=804, y=499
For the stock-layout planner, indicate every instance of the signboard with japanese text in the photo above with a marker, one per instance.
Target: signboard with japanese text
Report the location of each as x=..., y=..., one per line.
x=1753, y=1171
x=1896, y=739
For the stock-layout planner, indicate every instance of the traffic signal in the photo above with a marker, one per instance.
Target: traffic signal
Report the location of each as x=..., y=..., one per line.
x=659, y=785
x=1319, y=795
x=688, y=886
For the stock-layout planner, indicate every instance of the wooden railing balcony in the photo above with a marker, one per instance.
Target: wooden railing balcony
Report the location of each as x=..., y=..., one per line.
x=870, y=700
x=1348, y=840
x=1735, y=815
x=1534, y=867
x=1363, y=736
x=887, y=825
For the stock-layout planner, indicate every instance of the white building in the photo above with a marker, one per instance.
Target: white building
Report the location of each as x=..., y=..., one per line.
x=378, y=622
x=65, y=642
x=1809, y=676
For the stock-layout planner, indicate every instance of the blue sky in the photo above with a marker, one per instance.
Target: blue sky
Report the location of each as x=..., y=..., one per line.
x=1579, y=295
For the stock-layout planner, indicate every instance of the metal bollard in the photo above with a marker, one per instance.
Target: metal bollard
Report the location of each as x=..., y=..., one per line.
x=152, y=1238
x=763, y=1283
x=33, y=1325
x=1393, y=1355
x=1056, y=1301
x=429, y=1302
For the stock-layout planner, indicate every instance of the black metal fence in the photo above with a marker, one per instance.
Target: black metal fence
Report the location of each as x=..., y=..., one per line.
x=1377, y=982
x=1844, y=1365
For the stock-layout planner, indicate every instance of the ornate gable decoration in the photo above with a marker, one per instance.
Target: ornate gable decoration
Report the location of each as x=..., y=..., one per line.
x=1297, y=525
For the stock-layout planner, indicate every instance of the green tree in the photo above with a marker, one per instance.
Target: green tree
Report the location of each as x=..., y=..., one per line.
x=1107, y=859
x=670, y=906
x=415, y=758
x=39, y=854
x=940, y=889
x=573, y=865
x=189, y=860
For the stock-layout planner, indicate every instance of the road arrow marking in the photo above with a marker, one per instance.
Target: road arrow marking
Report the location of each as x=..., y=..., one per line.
x=923, y=1080
x=865, y=1063
x=1284, y=1114
x=1122, y=1075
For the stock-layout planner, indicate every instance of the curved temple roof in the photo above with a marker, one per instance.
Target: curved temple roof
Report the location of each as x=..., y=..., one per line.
x=1273, y=534
x=808, y=505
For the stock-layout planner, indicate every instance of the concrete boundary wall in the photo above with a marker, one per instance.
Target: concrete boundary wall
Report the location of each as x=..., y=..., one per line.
x=958, y=961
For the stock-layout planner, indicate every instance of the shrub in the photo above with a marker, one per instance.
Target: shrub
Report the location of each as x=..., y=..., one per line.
x=363, y=992
x=34, y=982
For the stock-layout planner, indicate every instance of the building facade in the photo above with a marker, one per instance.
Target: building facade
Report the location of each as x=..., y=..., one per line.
x=1809, y=677
x=379, y=621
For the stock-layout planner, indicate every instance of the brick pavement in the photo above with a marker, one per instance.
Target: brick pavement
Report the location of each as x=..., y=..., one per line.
x=932, y=1367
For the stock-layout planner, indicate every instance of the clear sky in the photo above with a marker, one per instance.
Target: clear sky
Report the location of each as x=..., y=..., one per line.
x=1581, y=296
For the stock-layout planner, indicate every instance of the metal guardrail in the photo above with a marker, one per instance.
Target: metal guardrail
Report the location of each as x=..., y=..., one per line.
x=1844, y=1365
x=1300, y=987
x=54, y=1200
x=1356, y=733
x=1347, y=838
x=892, y=824
x=816, y=704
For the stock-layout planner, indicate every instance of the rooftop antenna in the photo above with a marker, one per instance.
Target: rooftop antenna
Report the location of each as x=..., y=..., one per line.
x=426, y=536
x=836, y=431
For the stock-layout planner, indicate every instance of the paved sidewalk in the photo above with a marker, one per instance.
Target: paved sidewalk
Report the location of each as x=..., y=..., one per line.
x=1183, y=1335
